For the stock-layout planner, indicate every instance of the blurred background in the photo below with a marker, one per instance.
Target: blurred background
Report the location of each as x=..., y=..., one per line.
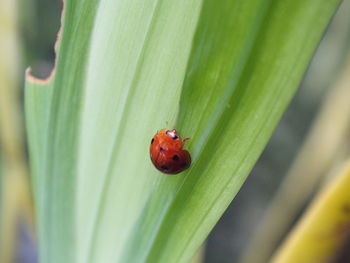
x=297, y=149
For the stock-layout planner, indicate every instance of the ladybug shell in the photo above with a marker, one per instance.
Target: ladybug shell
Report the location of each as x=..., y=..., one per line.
x=167, y=154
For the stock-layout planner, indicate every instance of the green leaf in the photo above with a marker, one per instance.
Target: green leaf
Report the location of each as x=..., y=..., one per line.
x=220, y=72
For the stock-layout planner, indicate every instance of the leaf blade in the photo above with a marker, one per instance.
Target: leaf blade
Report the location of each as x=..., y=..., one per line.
x=138, y=65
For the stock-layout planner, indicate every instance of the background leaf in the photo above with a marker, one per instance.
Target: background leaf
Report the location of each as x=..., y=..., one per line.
x=16, y=206
x=314, y=162
x=220, y=72
x=323, y=231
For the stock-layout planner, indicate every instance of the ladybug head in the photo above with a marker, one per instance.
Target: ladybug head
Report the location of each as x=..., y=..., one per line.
x=173, y=134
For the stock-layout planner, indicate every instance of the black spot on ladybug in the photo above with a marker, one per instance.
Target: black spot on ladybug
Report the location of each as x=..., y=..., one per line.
x=175, y=137
x=161, y=148
x=176, y=157
x=152, y=140
x=164, y=167
x=183, y=164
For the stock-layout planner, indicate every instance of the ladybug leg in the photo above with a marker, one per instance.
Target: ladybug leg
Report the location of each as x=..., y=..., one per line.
x=186, y=139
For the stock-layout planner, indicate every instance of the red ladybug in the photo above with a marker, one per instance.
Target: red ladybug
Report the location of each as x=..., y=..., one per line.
x=167, y=154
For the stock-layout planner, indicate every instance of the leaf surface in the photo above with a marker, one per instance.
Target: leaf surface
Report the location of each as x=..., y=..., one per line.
x=221, y=73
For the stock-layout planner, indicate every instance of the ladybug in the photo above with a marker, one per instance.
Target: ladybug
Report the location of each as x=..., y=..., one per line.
x=167, y=154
